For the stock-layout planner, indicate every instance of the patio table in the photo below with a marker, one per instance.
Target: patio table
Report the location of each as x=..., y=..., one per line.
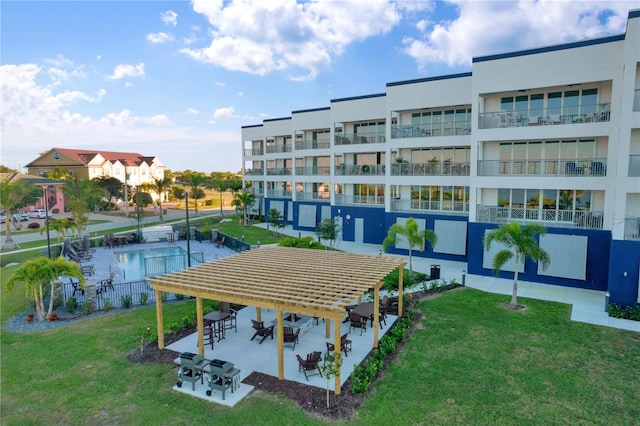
x=365, y=310
x=216, y=319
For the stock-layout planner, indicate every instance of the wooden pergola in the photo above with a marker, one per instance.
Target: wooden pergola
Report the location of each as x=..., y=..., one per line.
x=315, y=283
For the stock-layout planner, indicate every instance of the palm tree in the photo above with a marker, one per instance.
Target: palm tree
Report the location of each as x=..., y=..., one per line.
x=194, y=180
x=160, y=186
x=235, y=184
x=11, y=196
x=62, y=227
x=520, y=242
x=37, y=272
x=220, y=185
x=79, y=194
x=243, y=201
x=409, y=232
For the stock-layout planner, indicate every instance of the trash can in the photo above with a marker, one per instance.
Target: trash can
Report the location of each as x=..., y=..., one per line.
x=435, y=272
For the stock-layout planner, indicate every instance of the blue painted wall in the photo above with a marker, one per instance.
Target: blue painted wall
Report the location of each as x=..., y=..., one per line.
x=374, y=220
x=625, y=257
x=598, y=251
x=267, y=207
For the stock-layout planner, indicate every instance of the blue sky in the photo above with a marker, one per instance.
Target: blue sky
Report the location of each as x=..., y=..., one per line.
x=178, y=79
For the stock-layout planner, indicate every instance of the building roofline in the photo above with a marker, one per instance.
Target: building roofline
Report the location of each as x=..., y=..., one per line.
x=301, y=111
x=355, y=98
x=277, y=119
x=427, y=79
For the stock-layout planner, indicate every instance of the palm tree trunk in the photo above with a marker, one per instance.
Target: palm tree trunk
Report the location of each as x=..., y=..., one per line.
x=51, y=297
x=514, y=294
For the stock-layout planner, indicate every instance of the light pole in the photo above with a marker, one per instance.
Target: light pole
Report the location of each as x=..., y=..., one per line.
x=126, y=192
x=46, y=219
x=186, y=207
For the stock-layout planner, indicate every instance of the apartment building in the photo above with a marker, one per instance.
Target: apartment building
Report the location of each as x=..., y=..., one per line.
x=548, y=135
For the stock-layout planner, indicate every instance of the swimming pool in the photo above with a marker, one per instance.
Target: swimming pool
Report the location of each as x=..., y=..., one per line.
x=137, y=264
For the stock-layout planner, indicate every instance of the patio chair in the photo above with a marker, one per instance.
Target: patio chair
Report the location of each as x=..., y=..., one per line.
x=77, y=288
x=345, y=345
x=107, y=282
x=232, y=321
x=290, y=336
x=209, y=335
x=357, y=321
x=310, y=365
x=219, y=243
x=261, y=330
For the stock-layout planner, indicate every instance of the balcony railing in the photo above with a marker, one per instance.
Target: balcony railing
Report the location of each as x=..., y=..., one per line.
x=632, y=228
x=546, y=116
x=636, y=100
x=313, y=171
x=278, y=171
x=319, y=143
x=634, y=165
x=313, y=196
x=429, y=130
x=360, y=170
x=436, y=168
x=258, y=192
x=274, y=149
x=367, y=200
x=252, y=151
x=547, y=217
x=278, y=193
x=449, y=206
x=253, y=172
x=582, y=167
x=360, y=138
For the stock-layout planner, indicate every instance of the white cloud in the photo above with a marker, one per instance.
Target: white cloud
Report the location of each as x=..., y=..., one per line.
x=192, y=111
x=160, y=37
x=128, y=84
x=122, y=71
x=241, y=93
x=301, y=39
x=169, y=18
x=98, y=57
x=490, y=27
x=226, y=112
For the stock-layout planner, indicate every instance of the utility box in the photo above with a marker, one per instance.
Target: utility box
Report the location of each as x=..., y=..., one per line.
x=435, y=272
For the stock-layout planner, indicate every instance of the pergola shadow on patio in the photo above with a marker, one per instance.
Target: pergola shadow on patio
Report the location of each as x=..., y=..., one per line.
x=315, y=283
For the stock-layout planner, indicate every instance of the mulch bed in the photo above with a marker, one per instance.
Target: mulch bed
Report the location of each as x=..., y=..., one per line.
x=311, y=399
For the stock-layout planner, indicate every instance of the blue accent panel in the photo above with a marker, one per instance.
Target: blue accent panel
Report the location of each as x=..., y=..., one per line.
x=427, y=79
x=634, y=13
x=301, y=111
x=598, y=248
x=355, y=98
x=296, y=211
x=625, y=257
x=285, y=213
x=430, y=218
x=251, y=126
x=555, y=48
x=374, y=218
x=277, y=119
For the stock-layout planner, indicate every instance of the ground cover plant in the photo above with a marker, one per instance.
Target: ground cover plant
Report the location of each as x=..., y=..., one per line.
x=468, y=362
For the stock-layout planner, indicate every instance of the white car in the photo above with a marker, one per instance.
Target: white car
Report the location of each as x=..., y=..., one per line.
x=20, y=217
x=3, y=217
x=39, y=213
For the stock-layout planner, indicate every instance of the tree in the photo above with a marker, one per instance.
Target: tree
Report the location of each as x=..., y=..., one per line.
x=243, y=201
x=221, y=185
x=80, y=194
x=330, y=368
x=194, y=180
x=112, y=185
x=329, y=229
x=276, y=220
x=62, y=227
x=38, y=272
x=14, y=195
x=520, y=242
x=160, y=186
x=410, y=233
x=235, y=184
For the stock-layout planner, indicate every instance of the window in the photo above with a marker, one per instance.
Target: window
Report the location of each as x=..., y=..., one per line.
x=56, y=156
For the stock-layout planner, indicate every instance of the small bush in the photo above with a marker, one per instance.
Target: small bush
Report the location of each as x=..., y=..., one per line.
x=108, y=306
x=164, y=296
x=174, y=326
x=33, y=225
x=179, y=296
x=126, y=301
x=187, y=322
x=53, y=316
x=630, y=312
x=88, y=308
x=71, y=305
x=304, y=242
x=144, y=298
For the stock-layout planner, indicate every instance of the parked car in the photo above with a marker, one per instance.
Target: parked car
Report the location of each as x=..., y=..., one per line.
x=3, y=217
x=20, y=217
x=39, y=213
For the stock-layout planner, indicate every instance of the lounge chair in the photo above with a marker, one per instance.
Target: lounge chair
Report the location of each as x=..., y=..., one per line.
x=310, y=365
x=345, y=345
x=290, y=336
x=219, y=243
x=261, y=330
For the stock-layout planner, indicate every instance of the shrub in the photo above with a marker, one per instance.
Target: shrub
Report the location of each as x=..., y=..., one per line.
x=144, y=298
x=187, y=322
x=33, y=225
x=174, y=326
x=630, y=312
x=71, y=305
x=179, y=296
x=108, y=306
x=164, y=296
x=126, y=301
x=304, y=242
x=53, y=316
x=88, y=308
x=55, y=211
x=387, y=345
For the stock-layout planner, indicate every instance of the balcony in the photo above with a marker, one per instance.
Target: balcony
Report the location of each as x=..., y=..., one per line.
x=632, y=228
x=431, y=130
x=253, y=172
x=324, y=143
x=634, y=165
x=448, y=206
x=360, y=170
x=313, y=196
x=360, y=138
x=360, y=200
x=313, y=171
x=636, y=100
x=547, y=217
x=258, y=192
x=278, y=193
x=435, y=168
x=276, y=149
x=278, y=171
x=255, y=151
x=546, y=116
x=583, y=167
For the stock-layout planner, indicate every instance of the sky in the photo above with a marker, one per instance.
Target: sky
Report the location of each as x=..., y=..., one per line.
x=178, y=79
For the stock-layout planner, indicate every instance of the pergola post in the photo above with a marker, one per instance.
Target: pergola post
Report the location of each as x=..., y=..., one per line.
x=280, y=345
x=258, y=314
x=159, y=323
x=337, y=347
x=327, y=328
x=200, y=324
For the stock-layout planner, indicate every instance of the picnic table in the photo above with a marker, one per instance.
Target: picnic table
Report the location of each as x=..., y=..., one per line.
x=216, y=319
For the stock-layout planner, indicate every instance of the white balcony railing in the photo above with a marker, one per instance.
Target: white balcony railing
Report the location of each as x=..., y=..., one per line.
x=431, y=130
x=312, y=196
x=546, y=116
x=281, y=171
x=581, y=167
x=360, y=138
x=449, y=206
x=253, y=172
x=546, y=217
x=632, y=228
x=360, y=170
x=278, y=193
x=366, y=200
x=320, y=143
x=313, y=171
x=437, y=168
x=276, y=149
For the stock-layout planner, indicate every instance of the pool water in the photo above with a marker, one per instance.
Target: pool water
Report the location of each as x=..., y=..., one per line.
x=132, y=263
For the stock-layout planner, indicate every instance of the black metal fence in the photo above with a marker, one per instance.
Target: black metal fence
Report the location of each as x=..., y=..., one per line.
x=233, y=243
x=164, y=264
